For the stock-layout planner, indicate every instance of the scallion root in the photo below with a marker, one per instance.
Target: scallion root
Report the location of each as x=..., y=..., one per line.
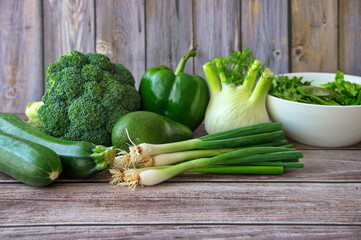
x=127, y=160
x=125, y=177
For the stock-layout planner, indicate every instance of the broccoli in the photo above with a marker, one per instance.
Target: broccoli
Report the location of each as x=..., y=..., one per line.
x=87, y=94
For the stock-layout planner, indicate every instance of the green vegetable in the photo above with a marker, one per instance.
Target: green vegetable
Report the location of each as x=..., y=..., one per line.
x=235, y=102
x=176, y=95
x=156, y=175
x=337, y=92
x=284, y=153
x=146, y=154
x=347, y=93
x=32, y=113
x=28, y=162
x=256, y=149
x=87, y=95
x=79, y=159
x=149, y=127
x=263, y=170
x=294, y=89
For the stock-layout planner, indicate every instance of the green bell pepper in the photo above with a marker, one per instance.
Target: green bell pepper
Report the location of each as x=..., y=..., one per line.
x=176, y=95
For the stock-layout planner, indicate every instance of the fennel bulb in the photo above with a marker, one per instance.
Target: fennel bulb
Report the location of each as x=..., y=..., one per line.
x=235, y=99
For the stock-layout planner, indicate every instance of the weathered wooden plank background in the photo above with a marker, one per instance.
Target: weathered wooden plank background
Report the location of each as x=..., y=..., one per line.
x=290, y=35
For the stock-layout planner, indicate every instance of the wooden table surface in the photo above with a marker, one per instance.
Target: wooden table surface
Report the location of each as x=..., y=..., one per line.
x=320, y=201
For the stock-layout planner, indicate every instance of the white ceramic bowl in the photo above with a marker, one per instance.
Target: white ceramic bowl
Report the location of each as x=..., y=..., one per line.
x=318, y=125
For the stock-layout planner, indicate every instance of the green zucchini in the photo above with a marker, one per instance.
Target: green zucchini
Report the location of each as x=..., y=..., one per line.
x=28, y=162
x=79, y=159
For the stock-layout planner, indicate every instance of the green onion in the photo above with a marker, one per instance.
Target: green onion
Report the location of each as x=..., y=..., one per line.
x=153, y=176
x=244, y=131
x=265, y=164
x=176, y=157
x=261, y=134
x=257, y=149
x=261, y=170
x=275, y=155
x=154, y=149
x=124, y=160
x=283, y=164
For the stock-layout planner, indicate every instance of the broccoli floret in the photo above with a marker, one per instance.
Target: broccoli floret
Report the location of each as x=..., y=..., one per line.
x=89, y=111
x=91, y=73
x=61, y=87
x=51, y=78
x=54, y=118
x=100, y=61
x=87, y=94
x=92, y=135
x=73, y=59
x=94, y=90
x=120, y=70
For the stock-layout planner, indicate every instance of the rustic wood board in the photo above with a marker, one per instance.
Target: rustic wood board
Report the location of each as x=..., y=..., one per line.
x=217, y=30
x=169, y=32
x=314, y=35
x=21, y=55
x=180, y=203
x=68, y=25
x=177, y=231
x=350, y=36
x=265, y=31
x=120, y=33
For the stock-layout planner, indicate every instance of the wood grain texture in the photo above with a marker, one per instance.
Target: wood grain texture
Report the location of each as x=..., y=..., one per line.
x=350, y=36
x=314, y=35
x=193, y=203
x=120, y=33
x=217, y=30
x=169, y=32
x=68, y=26
x=178, y=231
x=21, y=55
x=265, y=31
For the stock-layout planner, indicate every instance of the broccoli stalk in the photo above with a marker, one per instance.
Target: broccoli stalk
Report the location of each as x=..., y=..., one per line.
x=103, y=156
x=31, y=112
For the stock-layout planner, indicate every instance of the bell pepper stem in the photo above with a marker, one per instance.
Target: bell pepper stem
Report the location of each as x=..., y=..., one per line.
x=183, y=61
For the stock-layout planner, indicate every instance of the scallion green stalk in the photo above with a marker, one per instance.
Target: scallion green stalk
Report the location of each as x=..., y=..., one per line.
x=244, y=131
x=265, y=164
x=278, y=154
x=259, y=170
x=283, y=164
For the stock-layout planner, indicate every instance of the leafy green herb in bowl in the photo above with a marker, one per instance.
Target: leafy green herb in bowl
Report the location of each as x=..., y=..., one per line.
x=318, y=109
x=337, y=92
